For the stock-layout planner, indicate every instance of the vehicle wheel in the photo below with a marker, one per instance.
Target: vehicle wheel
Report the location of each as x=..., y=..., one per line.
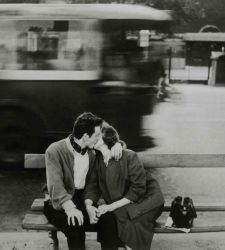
x=19, y=134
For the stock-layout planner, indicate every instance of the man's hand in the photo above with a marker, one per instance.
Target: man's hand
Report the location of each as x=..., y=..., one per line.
x=116, y=151
x=72, y=214
x=92, y=213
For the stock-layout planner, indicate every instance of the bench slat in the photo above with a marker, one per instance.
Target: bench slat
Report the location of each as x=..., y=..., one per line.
x=205, y=222
x=37, y=222
x=182, y=160
x=34, y=161
x=153, y=160
x=200, y=206
x=193, y=230
x=38, y=205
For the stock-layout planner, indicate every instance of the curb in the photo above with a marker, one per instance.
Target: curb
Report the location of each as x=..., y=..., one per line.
x=181, y=241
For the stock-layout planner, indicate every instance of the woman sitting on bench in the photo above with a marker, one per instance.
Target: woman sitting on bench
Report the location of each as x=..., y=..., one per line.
x=133, y=199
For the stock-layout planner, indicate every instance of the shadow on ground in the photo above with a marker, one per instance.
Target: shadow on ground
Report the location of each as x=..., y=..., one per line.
x=18, y=188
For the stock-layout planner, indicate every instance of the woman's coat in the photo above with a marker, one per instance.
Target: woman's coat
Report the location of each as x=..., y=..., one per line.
x=128, y=178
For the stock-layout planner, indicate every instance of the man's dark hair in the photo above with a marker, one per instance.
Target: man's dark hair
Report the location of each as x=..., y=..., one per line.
x=86, y=123
x=110, y=136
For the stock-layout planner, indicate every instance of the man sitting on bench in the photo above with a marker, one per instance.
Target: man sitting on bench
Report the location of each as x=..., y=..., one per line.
x=69, y=163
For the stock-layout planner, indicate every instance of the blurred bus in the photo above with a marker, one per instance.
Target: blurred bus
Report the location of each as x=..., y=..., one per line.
x=57, y=61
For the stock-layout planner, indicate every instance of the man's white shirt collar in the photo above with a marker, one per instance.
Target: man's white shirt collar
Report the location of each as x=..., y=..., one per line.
x=80, y=166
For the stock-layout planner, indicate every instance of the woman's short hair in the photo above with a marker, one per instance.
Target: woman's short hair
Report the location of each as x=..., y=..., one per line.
x=110, y=136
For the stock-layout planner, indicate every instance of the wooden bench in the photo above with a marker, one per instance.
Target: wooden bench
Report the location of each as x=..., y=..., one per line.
x=209, y=214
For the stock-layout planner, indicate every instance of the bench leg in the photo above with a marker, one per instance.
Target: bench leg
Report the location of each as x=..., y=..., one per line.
x=53, y=236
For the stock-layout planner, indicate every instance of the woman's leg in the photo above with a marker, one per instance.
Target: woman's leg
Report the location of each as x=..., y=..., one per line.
x=108, y=233
x=153, y=216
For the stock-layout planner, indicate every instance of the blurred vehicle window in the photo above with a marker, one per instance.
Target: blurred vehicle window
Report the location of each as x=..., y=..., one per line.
x=49, y=45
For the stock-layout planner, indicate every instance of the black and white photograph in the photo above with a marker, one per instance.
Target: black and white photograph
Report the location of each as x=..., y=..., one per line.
x=112, y=125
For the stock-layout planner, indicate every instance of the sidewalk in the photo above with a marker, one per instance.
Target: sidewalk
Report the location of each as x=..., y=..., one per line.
x=193, y=124
x=190, y=73
x=40, y=241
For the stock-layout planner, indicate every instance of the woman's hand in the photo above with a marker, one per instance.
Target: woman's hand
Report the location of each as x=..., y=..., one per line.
x=111, y=207
x=116, y=151
x=104, y=209
x=92, y=213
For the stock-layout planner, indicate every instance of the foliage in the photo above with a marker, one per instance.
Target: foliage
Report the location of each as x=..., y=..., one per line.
x=19, y=1
x=189, y=15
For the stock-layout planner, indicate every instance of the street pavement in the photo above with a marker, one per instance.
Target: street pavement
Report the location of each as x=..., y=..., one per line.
x=191, y=122
x=190, y=73
x=182, y=241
